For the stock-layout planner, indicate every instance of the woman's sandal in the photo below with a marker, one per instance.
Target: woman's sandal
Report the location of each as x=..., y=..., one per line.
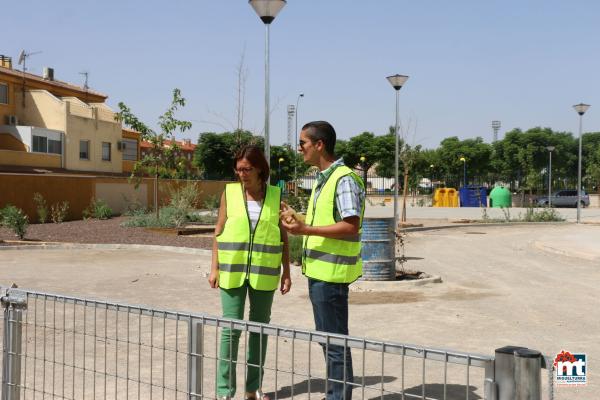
x=257, y=395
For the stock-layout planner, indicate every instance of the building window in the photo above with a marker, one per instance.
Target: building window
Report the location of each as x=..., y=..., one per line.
x=130, y=149
x=40, y=144
x=84, y=149
x=105, y=151
x=54, y=146
x=3, y=93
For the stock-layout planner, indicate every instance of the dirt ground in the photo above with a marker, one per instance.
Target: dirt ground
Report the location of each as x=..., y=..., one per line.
x=105, y=231
x=532, y=286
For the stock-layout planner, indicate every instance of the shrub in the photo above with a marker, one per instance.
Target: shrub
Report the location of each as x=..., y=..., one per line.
x=212, y=202
x=181, y=204
x=295, y=247
x=169, y=217
x=202, y=218
x=98, y=209
x=298, y=203
x=41, y=207
x=543, y=215
x=59, y=211
x=15, y=219
x=133, y=206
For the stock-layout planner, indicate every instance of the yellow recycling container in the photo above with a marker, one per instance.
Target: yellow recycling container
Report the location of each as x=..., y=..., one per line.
x=439, y=197
x=451, y=197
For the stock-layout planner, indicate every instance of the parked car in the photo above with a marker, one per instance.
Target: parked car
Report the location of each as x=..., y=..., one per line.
x=565, y=198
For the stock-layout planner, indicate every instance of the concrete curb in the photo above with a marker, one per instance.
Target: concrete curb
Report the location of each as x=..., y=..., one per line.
x=568, y=253
x=391, y=286
x=106, y=246
x=481, y=225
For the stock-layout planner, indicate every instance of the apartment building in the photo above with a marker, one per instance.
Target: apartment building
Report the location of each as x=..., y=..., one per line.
x=52, y=124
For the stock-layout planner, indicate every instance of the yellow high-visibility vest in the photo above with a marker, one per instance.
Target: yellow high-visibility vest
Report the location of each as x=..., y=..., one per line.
x=326, y=259
x=247, y=254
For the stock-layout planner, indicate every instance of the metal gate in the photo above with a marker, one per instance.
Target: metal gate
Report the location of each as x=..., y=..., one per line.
x=66, y=347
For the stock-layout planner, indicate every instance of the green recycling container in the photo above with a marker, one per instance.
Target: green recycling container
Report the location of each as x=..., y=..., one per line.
x=500, y=197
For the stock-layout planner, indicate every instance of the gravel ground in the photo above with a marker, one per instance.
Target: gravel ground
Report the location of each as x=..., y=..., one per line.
x=107, y=231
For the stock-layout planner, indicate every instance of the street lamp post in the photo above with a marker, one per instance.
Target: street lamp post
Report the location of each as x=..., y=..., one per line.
x=281, y=159
x=267, y=10
x=581, y=109
x=362, y=162
x=296, y=147
x=397, y=81
x=464, y=160
x=431, y=179
x=550, y=150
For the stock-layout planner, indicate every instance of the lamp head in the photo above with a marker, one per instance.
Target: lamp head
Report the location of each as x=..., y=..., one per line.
x=581, y=108
x=267, y=10
x=397, y=81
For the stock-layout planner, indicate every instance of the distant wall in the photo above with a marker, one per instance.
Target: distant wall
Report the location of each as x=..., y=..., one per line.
x=78, y=190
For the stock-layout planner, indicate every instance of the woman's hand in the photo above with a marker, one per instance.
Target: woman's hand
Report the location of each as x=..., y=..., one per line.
x=213, y=278
x=286, y=282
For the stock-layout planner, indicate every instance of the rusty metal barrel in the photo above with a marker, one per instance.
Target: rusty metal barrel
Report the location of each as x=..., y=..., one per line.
x=378, y=252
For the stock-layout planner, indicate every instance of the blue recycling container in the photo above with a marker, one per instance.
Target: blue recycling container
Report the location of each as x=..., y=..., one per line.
x=378, y=252
x=472, y=196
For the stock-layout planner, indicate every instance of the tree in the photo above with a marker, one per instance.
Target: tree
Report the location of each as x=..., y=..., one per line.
x=475, y=151
x=162, y=160
x=591, y=159
x=215, y=151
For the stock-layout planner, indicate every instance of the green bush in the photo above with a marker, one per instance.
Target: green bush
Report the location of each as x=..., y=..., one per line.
x=98, y=209
x=298, y=203
x=543, y=215
x=295, y=247
x=15, y=219
x=169, y=217
x=59, y=211
x=181, y=204
x=212, y=202
x=133, y=206
x=41, y=207
x=202, y=219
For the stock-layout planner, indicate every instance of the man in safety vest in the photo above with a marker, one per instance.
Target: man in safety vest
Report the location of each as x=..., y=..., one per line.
x=331, y=246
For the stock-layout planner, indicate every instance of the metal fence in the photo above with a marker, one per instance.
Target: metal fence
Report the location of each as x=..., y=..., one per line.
x=378, y=185
x=66, y=347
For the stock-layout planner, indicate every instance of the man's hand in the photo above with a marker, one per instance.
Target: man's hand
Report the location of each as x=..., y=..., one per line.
x=295, y=227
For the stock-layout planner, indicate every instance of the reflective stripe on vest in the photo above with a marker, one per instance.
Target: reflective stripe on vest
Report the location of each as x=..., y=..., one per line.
x=245, y=254
x=331, y=260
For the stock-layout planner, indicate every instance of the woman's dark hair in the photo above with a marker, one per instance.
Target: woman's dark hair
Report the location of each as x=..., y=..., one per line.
x=255, y=156
x=323, y=131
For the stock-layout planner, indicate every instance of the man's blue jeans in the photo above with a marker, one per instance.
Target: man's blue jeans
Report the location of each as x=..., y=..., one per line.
x=330, y=309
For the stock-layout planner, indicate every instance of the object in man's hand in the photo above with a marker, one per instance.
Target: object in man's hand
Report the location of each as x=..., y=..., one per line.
x=288, y=215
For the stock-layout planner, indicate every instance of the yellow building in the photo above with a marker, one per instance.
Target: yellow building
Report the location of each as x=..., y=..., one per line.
x=53, y=124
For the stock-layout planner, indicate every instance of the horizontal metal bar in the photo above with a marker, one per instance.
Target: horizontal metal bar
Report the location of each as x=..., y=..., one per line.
x=409, y=350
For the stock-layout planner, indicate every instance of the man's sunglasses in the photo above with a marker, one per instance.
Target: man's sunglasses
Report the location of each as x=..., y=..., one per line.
x=302, y=142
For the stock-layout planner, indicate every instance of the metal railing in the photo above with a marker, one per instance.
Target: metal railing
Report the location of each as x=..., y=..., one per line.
x=67, y=347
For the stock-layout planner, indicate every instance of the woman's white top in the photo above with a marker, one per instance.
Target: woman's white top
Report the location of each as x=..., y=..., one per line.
x=254, y=211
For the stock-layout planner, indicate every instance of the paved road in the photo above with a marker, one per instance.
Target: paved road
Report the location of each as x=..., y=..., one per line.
x=376, y=210
x=507, y=285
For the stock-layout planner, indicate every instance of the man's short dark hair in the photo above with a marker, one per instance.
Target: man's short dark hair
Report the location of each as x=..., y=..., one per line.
x=323, y=131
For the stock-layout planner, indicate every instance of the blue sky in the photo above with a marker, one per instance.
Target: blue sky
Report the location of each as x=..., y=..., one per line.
x=524, y=63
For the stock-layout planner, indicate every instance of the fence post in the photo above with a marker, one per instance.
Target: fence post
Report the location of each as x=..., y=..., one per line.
x=490, y=388
x=195, y=356
x=528, y=368
x=14, y=304
x=504, y=372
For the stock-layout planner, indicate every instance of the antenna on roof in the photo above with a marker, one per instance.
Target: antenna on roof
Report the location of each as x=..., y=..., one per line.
x=85, y=83
x=23, y=55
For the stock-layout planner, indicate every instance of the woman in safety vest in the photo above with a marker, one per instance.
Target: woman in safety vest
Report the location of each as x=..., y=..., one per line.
x=248, y=252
